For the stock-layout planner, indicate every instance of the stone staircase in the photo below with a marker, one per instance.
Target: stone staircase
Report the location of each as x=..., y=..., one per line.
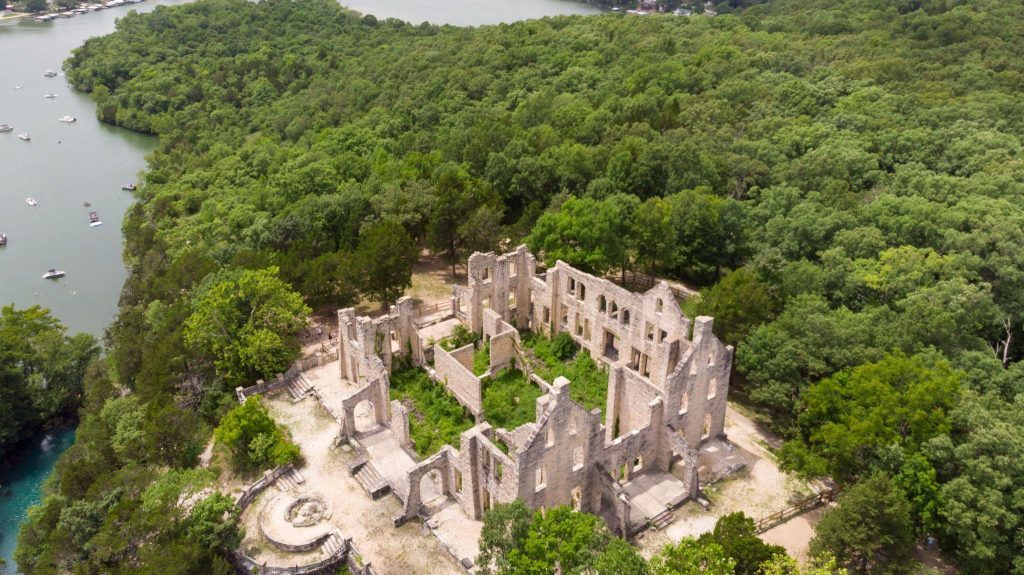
x=662, y=519
x=369, y=478
x=290, y=480
x=298, y=387
x=333, y=544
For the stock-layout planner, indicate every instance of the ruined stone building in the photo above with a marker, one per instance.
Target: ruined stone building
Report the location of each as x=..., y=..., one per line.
x=668, y=379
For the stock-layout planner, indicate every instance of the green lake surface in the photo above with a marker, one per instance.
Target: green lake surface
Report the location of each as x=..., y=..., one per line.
x=67, y=164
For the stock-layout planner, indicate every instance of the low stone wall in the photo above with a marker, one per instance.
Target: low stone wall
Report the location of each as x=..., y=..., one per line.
x=245, y=565
x=250, y=493
x=459, y=379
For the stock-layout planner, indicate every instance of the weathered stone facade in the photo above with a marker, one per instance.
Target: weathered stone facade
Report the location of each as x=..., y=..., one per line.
x=667, y=387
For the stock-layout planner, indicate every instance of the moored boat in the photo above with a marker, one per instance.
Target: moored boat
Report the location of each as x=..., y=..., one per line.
x=50, y=96
x=68, y=119
x=3, y=240
x=6, y=128
x=50, y=74
x=128, y=187
x=24, y=136
x=53, y=274
x=31, y=201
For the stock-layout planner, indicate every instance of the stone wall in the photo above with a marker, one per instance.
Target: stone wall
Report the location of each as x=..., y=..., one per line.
x=451, y=369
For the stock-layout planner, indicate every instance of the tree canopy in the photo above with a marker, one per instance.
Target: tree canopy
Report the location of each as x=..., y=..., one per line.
x=844, y=179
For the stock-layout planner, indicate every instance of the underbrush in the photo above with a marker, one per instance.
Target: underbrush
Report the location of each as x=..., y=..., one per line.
x=510, y=399
x=588, y=380
x=437, y=419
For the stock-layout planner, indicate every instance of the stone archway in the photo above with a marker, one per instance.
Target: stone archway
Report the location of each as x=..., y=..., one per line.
x=365, y=409
x=421, y=481
x=363, y=414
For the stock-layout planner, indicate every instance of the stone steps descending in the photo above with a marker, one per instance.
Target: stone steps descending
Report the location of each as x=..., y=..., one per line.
x=333, y=544
x=662, y=519
x=290, y=480
x=298, y=388
x=372, y=481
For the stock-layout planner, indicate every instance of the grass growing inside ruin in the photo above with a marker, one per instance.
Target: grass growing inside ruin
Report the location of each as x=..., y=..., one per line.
x=510, y=399
x=437, y=418
x=482, y=359
x=588, y=380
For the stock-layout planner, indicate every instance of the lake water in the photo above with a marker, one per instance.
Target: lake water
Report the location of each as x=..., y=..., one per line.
x=66, y=165
x=20, y=486
x=468, y=12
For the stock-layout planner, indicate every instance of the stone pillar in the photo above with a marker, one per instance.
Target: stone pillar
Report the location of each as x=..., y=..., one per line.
x=612, y=402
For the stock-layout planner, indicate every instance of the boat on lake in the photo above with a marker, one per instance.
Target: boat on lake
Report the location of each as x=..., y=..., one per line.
x=6, y=128
x=32, y=202
x=3, y=240
x=94, y=219
x=50, y=96
x=68, y=119
x=50, y=74
x=128, y=187
x=53, y=274
x=24, y=136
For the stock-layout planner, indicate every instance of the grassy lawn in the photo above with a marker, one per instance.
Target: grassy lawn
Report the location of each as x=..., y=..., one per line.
x=589, y=381
x=510, y=399
x=437, y=418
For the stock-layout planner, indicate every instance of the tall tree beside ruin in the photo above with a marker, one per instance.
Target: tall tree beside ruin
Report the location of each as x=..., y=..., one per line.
x=585, y=233
x=870, y=531
x=382, y=264
x=464, y=210
x=245, y=322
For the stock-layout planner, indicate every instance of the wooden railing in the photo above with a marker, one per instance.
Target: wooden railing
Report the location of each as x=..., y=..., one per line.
x=779, y=517
x=431, y=309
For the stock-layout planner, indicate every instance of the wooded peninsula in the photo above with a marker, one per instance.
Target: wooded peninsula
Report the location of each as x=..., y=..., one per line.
x=842, y=180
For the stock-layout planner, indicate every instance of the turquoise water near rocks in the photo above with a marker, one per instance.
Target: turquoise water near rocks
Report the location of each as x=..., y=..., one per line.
x=20, y=486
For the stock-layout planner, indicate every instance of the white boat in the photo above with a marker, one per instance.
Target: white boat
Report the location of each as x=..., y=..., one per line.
x=94, y=219
x=68, y=119
x=18, y=87
x=6, y=128
x=24, y=136
x=51, y=96
x=3, y=240
x=53, y=274
x=32, y=202
x=96, y=223
x=50, y=74
x=128, y=187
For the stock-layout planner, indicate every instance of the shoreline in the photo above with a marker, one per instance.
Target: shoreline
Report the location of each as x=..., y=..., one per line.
x=18, y=450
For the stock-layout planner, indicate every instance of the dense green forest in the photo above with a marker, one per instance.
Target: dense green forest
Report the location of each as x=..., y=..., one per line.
x=42, y=373
x=843, y=179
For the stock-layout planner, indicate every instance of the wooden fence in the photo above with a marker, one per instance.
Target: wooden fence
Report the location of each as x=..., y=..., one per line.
x=779, y=517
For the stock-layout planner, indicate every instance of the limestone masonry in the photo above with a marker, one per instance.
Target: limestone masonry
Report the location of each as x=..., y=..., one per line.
x=668, y=381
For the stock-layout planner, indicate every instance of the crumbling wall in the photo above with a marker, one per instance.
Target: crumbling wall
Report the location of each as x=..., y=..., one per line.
x=629, y=399
x=553, y=464
x=484, y=475
x=454, y=370
x=698, y=389
x=399, y=423
x=503, y=340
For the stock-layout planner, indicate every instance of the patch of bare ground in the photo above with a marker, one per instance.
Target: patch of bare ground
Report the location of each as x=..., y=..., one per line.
x=409, y=549
x=759, y=489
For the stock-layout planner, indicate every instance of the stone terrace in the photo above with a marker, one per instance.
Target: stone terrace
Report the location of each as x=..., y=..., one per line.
x=408, y=549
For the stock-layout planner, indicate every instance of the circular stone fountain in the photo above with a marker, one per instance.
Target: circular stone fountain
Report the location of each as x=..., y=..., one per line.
x=296, y=523
x=307, y=510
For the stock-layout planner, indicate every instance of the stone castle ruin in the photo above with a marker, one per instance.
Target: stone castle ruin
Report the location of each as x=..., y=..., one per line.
x=668, y=379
